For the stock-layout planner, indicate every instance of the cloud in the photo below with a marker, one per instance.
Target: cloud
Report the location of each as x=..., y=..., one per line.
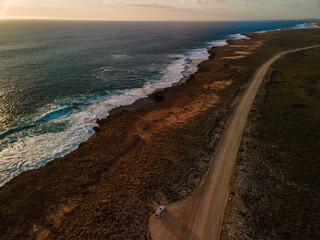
x=203, y=2
x=184, y=2
x=119, y=3
x=248, y=2
x=301, y=4
x=133, y=4
x=283, y=3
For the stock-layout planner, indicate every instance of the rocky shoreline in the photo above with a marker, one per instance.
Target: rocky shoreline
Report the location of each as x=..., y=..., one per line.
x=138, y=159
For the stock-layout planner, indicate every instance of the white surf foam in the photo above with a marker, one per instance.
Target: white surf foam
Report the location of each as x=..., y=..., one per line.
x=264, y=31
x=218, y=43
x=298, y=26
x=304, y=26
x=35, y=151
x=239, y=36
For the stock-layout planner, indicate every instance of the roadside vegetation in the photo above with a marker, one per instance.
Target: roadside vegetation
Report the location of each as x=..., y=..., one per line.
x=275, y=190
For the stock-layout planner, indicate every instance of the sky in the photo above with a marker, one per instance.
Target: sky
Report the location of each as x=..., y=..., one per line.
x=160, y=10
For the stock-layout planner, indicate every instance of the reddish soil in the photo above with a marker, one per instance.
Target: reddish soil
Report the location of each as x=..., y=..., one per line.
x=109, y=187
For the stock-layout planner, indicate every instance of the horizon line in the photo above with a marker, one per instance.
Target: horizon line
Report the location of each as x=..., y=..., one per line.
x=130, y=20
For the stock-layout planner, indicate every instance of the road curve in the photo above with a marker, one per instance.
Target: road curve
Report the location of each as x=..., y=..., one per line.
x=200, y=216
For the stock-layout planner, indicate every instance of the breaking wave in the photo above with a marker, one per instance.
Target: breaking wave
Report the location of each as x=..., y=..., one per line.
x=35, y=143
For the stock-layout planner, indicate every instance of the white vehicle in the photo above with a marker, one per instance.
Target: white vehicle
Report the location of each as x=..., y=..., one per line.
x=160, y=211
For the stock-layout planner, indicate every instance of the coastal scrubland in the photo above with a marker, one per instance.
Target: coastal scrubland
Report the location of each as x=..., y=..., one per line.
x=275, y=190
x=110, y=186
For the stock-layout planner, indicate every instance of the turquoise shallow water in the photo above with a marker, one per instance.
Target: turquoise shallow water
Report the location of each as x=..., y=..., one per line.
x=58, y=78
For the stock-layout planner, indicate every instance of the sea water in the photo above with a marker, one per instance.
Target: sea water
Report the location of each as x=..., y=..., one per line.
x=58, y=77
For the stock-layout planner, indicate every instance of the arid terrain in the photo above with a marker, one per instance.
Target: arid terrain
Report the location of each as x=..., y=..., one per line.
x=201, y=215
x=110, y=186
x=274, y=193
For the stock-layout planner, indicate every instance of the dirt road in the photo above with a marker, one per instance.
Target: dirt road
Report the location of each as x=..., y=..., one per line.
x=200, y=216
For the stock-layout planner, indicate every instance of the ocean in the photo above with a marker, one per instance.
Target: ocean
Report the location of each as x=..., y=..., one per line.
x=58, y=77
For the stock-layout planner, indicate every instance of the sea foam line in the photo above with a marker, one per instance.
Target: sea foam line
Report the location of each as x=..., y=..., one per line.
x=30, y=152
x=298, y=26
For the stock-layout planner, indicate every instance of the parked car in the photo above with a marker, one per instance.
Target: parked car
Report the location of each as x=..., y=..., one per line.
x=160, y=211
